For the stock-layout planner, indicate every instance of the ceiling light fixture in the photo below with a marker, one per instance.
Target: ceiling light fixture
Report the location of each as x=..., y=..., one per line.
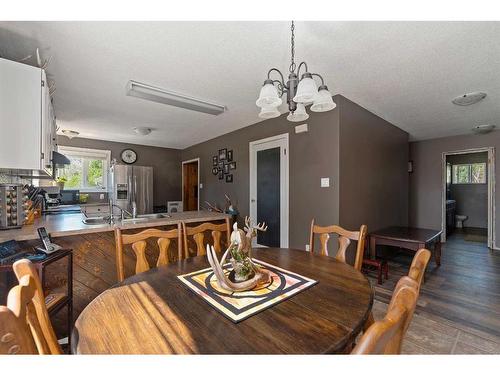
x=159, y=95
x=298, y=92
x=141, y=130
x=70, y=133
x=470, y=98
x=483, y=129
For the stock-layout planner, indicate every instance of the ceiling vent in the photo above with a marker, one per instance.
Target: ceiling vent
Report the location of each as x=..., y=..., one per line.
x=470, y=98
x=483, y=129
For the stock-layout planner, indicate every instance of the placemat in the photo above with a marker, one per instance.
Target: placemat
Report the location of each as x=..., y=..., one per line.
x=238, y=306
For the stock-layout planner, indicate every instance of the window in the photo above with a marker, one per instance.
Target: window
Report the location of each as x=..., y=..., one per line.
x=88, y=170
x=469, y=173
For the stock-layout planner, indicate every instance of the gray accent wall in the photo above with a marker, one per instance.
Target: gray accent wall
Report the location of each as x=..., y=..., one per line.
x=472, y=199
x=364, y=156
x=312, y=155
x=166, y=163
x=373, y=170
x=426, y=180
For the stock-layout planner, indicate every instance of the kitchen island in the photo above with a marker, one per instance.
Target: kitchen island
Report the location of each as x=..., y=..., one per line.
x=94, y=265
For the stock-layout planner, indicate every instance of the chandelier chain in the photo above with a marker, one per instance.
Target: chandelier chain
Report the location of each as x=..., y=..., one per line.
x=292, y=64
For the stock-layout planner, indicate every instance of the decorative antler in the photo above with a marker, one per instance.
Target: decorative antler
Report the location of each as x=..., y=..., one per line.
x=251, y=230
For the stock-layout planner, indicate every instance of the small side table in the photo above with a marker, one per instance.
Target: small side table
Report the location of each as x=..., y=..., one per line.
x=55, y=301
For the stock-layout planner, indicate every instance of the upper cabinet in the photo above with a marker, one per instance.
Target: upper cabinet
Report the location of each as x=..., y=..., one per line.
x=27, y=121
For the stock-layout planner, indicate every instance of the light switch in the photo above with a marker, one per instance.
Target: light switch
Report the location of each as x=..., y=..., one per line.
x=325, y=181
x=301, y=129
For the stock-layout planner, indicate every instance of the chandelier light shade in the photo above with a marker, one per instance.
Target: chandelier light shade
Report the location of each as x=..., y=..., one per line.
x=299, y=114
x=299, y=92
x=269, y=112
x=307, y=89
x=269, y=96
x=323, y=101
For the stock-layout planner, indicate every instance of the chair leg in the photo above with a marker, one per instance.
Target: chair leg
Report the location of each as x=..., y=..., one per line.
x=380, y=275
x=386, y=270
x=369, y=322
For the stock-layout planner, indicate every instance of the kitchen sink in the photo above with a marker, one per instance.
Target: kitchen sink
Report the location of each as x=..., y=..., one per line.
x=154, y=216
x=95, y=220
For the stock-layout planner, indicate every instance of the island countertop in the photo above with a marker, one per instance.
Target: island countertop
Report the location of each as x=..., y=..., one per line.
x=71, y=224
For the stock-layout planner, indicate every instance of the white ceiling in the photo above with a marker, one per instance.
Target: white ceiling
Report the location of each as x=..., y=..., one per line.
x=406, y=72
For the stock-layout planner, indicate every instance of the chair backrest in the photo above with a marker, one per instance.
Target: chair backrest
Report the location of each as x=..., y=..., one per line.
x=386, y=336
x=345, y=238
x=139, y=245
x=418, y=265
x=198, y=234
x=23, y=268
x=20, y=329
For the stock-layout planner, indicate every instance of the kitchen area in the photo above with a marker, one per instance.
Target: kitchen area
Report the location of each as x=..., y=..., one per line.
x=58, y=191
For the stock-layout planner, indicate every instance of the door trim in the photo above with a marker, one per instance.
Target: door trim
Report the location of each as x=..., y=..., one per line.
x=491, y=191
x=182, y=179
x=283, y=139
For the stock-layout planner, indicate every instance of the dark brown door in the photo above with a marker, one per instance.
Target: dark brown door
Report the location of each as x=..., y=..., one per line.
x=190, y=186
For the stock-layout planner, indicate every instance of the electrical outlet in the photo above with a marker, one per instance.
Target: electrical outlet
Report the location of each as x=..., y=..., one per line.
x=307, y=247
x=201, y=186
x=101, y=196
x=325, y=182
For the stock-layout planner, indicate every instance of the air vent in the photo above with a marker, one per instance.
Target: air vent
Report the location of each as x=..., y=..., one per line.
x=483, y=129
x=470, y=98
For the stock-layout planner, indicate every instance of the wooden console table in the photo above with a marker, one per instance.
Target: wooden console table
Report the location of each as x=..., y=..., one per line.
x=407, y=238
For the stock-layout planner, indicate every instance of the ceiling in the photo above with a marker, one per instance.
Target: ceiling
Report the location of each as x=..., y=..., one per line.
x=405, y=72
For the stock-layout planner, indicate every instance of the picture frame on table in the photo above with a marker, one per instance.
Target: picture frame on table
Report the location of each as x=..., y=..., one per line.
x=230, y=155
x=229, y=178
x=232, y=165
x=221, y=175
x=223, y=154
x=226, y=168
x=215, y=160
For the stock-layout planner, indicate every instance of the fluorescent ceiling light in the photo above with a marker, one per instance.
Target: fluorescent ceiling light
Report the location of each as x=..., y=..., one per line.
x=156, y=94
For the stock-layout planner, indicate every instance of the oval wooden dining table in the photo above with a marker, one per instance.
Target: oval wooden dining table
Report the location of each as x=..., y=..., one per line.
x=155, y=313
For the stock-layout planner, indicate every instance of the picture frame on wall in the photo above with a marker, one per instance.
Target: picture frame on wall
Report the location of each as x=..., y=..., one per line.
x=232, y=165
x=223, y=154
x=215, y=160
x=215, y=170
x=230, y=155
x=229, y=178
x=221, y=166
x=226, y=168
x=221, y=175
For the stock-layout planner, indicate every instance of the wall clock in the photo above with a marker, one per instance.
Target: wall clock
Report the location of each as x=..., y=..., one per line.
x=129, y=156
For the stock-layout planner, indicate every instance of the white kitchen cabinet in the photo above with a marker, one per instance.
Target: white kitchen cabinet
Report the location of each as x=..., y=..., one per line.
x=27, y=125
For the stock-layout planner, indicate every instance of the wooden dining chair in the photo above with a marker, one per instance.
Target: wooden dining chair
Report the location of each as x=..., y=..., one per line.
x=23, y=330
x=418, y=265
x=198, y=234
x=139, y=245
x=345, y=238
x=386, y=336
x=24, y=268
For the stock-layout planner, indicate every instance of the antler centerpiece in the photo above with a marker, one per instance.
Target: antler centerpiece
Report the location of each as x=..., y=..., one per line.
x=245, y=274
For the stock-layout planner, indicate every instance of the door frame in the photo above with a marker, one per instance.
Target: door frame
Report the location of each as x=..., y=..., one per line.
x=491, y=191
x=182, y=181
x=282, y=141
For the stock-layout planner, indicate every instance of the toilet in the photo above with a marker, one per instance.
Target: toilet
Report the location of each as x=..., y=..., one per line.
x=459, y=220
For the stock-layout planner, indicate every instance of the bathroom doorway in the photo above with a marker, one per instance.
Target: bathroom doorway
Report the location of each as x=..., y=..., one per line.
x=468, y=195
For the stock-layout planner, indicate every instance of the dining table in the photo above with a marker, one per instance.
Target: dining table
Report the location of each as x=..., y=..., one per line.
x=155, y=313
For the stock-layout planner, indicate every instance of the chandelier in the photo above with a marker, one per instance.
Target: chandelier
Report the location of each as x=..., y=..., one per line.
x=299, y=93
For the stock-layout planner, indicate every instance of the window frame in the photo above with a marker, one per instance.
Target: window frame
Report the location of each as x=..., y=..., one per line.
x=469, y=167
x=89, y=152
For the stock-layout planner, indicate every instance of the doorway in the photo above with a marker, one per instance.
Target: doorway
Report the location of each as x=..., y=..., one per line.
x=468, y=195
x=190, y=184
x=269, y=189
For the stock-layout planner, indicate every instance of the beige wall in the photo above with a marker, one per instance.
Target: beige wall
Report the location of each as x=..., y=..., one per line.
x=165, y=162
x=426, y=180
x=373, y=170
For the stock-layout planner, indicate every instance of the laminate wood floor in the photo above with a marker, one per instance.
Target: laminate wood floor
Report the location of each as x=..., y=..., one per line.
x=458, y=311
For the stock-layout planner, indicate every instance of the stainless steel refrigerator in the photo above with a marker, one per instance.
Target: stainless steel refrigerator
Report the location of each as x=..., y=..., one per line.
x=133, y=183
